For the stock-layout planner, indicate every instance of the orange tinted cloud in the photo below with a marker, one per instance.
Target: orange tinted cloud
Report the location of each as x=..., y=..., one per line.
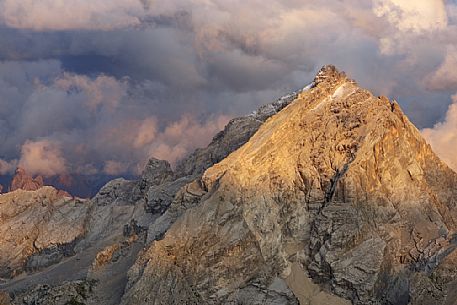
x=65, y=15
x=443, y=136
x=183, y=136
x=146, y=132
x=42, y=157
x=112, y=167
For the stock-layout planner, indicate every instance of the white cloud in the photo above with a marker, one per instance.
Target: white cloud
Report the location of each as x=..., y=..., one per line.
x=74, y=14
x=416, y=16
x=443, y=136
x=406, y=22
x=42, y=157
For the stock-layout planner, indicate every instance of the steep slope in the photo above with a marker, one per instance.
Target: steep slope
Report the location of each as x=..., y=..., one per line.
x=339, y=187
x=237, y=132
x=115, y=224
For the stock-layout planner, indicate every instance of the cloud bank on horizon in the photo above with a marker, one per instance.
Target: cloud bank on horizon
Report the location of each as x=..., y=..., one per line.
x=100, y=86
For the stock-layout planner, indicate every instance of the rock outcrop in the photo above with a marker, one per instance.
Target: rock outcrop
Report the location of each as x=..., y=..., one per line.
x=38, y=229
x=338, y=187
x=69, y=293
x=24, y=181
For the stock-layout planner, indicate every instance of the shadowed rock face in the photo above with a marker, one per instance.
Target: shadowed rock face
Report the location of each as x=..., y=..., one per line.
x=237, y=132
x=338, y=187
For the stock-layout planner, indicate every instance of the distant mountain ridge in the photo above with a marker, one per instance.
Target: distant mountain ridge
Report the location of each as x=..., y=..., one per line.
x=83, y=186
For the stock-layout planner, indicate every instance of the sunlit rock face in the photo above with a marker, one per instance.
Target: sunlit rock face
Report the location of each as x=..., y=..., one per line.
x=338, y=188
x=38, y=229
x=327, y=196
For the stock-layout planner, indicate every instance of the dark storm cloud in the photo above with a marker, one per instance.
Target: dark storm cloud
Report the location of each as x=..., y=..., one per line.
x=101, y=87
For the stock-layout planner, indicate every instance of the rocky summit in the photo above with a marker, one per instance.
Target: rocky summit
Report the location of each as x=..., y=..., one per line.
x=22, y=180
x=327, y=196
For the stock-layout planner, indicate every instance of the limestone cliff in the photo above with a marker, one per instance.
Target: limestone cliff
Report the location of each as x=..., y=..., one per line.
x=338, y=187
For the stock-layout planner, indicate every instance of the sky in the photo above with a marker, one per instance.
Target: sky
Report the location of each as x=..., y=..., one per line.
x=96, y=86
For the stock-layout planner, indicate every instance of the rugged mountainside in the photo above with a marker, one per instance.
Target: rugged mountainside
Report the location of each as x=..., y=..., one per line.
x=115, y=225
x=339, y=186
x=327, y=196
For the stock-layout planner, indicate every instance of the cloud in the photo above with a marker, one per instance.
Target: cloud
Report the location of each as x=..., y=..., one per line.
x=42, y=157
x=103, y=91
x=408, y=22
x=146, y=133
x=172, y=143
x=185, y=135
x=415, y=16
x=79, y=14
x=114, y=168
x=116, y=82
x=69, y=123
x=445, y=77
x=7, y=167
x=443, y=136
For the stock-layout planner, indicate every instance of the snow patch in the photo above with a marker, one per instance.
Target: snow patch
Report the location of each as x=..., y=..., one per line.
x=339, y=92
x=320, y=104
x=268, y=110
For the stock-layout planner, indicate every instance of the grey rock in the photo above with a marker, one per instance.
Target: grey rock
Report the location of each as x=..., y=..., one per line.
x=155, y=173
x=160, y=197
x=69, y=293
x=237, y=132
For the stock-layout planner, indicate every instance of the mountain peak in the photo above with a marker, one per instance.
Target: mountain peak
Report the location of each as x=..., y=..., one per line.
x=338, y=186
x=329, y=74
x=22, y=180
